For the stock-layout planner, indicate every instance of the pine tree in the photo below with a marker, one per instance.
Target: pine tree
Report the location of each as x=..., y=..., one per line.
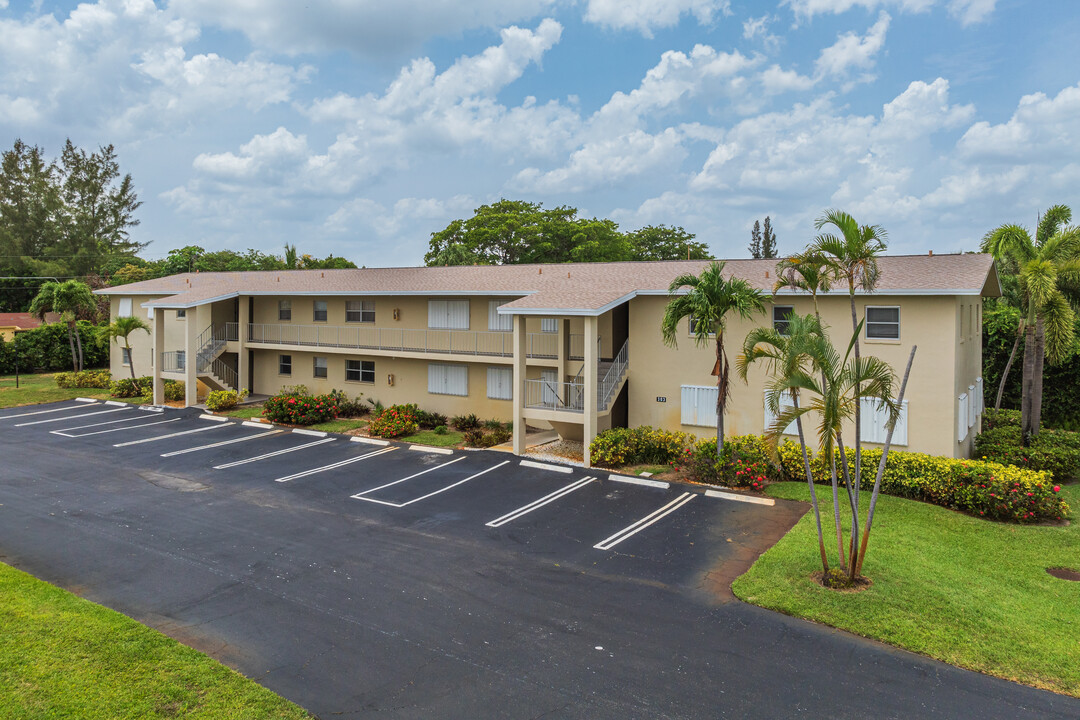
x=755, y=241
x=768, y=240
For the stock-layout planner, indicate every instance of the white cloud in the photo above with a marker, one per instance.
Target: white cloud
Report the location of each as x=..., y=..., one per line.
x=777, y=80
x=850, y=51
x=367, y=28
x=1042, y=129
x=971, y=11
x=966, y=11
x=758, y=29
x=648, y=15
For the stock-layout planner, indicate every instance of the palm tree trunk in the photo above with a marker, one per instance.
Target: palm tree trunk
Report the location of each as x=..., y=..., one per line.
x=810, y=482
x=1029, y=376
x=881, y=467
x=852, y=501
x=858, y=415
x=1008, y=366
x=1037, y=378
x=836, y=515
x=721, y=391
x=78, y=344
x=71, y=342
x=131, y=358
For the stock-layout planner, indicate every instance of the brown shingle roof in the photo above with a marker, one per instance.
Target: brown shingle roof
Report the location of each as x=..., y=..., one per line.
x=25, y=321
x=571, y=288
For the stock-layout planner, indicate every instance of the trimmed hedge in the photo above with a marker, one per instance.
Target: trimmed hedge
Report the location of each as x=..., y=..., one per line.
x=46, y=349
x=982, y=488
x=1054, y=451
x=84, y=379
x=638, y=446
x=218, y=400
x=743, y=462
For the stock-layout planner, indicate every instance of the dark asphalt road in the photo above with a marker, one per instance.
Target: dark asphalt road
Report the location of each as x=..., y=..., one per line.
x=356, y=608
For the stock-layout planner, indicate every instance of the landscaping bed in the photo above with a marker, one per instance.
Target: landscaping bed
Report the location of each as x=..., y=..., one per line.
x=961, y=589
x=65, y=657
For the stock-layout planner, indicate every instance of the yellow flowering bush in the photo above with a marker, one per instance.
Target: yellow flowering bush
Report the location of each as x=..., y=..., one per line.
x=633, y=446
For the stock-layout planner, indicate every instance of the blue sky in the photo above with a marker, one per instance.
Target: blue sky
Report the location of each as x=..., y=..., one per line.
x=358, y=128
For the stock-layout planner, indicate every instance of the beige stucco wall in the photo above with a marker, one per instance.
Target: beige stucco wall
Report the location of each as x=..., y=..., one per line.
x=141, y=342
x=410, y=382
x=659, y=371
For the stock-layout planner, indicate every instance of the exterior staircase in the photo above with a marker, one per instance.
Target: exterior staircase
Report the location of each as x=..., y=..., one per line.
x=209, y=367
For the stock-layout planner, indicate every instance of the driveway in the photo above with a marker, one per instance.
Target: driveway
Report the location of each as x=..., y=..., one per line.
x=387, y=580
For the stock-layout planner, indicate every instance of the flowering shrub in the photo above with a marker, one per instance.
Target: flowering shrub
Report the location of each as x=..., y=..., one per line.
x=1056, y=451
x=294, y=407
x=982, y=488
x=632, y=446
x=83, y=379
x=395, y=421
x=744, y=462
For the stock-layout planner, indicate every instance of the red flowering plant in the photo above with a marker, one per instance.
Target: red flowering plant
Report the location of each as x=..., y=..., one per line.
x=294, y=406
x=395, y=421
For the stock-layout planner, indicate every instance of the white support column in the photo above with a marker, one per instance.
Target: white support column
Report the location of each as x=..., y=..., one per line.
x=520, y=350
x=592, y=359
x=191, y=334
x=243, y=372
x=158, y=347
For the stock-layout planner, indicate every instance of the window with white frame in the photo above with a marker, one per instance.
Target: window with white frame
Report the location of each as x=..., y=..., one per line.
x=318, y=311
x=500, y=383
x=502, y=323
x=874, y=423
x=448, y=314
x=360, y=311
x=770, y=417
x=698, y=405
x=360, y=371
x=883, y=323
x=284, y=364
x=181, y=314
x=549, y=325
x=125, y=356
x=780, y=314
x=318, y=367
x=284, y=310
x=125, y=308
x=448, y=379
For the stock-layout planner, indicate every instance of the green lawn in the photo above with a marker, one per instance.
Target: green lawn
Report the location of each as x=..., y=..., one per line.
x=971, y=592
x=35, y=389
x=65, y=657
x=341, y=425
x=452, y=438
x=246, y=412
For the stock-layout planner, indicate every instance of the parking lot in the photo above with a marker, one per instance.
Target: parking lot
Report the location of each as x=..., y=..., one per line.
x=358, y=577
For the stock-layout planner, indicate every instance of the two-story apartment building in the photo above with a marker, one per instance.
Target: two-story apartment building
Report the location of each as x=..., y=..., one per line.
x=576, y=347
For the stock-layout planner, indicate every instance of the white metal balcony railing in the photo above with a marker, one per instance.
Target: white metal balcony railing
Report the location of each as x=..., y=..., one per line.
x=553, y=395
x=608, y=384
x=173, y=361
x=459, y=342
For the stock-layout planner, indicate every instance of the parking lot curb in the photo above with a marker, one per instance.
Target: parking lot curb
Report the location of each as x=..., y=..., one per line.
x=89, y=400
x=545, y=466
x=312, y=433
x=215, y=418
x=369, y=441
x=740, y=498
x=640, y=481
x=432, y=449
x=254, y=424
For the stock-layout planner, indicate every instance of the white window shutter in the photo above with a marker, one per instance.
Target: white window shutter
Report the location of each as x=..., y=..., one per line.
x=770, y=418
x=698, y=405
x=458, y=314
x=961, y=417
x=971, y=411
x=125, y=308
x=498, y=322
x=980, y=400
x=499, y=381
x=549, y=325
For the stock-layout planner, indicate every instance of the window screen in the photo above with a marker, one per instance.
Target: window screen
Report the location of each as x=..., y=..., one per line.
x=319, y=368
x=360, y=311
x=360, y=370
x=318, y=313
x=780, y=315
x=285, y=364
x=883, y=323
x=284, y=310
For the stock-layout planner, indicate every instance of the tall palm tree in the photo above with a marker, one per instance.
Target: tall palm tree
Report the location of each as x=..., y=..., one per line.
x=1049, y=272
x=808, y=271
x=785, y=355
x=852, y=258
x=122, y=328
x=68, y=299
x=709, y=300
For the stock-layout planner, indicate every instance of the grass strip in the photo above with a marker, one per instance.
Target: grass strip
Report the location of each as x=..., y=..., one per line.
x=41, y=388
x=970, y=592
x=65, y=657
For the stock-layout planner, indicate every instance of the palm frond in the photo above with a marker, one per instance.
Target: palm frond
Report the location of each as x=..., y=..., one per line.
x=1009, y=242
x=1059, y=325
x=1051, y=221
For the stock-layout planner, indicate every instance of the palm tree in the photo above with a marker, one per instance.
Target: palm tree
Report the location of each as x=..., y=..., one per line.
x=808, y=271
x=122, y=327
x=787, y=354
x=1049, y=272
x=711, y=297
x=68, y=299
x=852, y=258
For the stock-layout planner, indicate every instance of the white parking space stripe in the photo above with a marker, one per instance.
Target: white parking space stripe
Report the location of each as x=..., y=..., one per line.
x=273, y=454
x=133, y=418
x=333, y=466
x=44, y=412
x=217, y=418
x=166, y=437
x=639, y=481
x=222, y=443
x=430, y=494
x=119, y=429
x=537, y=504
x=74, y=417
x=740, y=498
x=545, y=466
x=655, y=516
x=360, y=496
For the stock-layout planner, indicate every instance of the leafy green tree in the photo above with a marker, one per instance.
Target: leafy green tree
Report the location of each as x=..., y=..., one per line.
x=659, y=242
x=121, y=329
x=708, y=301
x=68, y=299
x=768, y=240
x=1049, y=281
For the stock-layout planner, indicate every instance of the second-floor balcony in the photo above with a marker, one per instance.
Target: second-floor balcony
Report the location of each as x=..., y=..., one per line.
x=443, y=342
